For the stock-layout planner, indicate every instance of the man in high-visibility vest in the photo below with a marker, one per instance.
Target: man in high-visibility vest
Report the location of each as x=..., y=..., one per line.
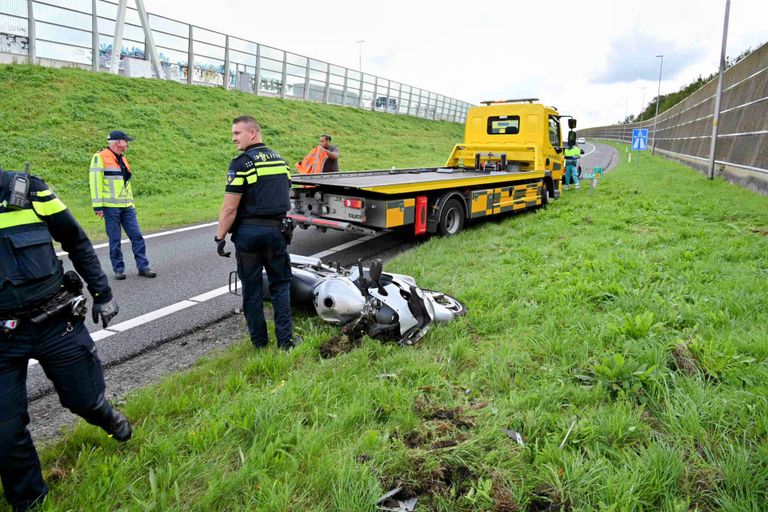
x=572, y=155
x=112, y=200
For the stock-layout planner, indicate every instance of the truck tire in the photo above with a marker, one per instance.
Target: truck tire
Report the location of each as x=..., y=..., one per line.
x=544, y=196
x=451, y=218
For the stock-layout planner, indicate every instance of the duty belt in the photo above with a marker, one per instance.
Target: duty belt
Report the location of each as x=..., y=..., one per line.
x=62, y=302
x=260, y=221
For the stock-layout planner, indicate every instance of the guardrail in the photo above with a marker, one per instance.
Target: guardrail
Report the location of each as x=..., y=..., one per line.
x=684, y=132
x=80, y=33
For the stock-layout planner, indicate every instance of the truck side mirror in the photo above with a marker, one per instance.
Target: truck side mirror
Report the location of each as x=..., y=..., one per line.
x=572, y=123
x=571, y=137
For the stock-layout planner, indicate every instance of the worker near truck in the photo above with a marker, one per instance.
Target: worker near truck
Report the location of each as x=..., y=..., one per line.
x=572, y=155
x=256, y=202
x=331, y=152
x=112, y=200
x=42, y=317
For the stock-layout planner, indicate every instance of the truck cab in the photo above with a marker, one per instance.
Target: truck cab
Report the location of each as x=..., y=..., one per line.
x=511, y=135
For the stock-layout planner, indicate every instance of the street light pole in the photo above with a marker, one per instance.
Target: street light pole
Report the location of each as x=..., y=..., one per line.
x=716, y=117
x=360, y=56
x=642, y=110
x=658, y=99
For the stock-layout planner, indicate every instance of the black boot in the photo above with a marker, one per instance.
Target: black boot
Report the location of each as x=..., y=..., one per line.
x=119, y=427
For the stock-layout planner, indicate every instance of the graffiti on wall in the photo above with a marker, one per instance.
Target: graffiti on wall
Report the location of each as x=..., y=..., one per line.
x=10, y=43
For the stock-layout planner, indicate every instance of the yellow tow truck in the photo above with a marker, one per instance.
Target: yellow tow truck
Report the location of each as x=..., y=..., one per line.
x=511, y=159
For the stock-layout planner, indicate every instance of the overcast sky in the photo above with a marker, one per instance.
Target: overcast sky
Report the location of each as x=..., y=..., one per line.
x=591, y=59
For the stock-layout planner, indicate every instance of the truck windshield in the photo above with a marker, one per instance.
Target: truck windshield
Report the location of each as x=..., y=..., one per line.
x=503, y=125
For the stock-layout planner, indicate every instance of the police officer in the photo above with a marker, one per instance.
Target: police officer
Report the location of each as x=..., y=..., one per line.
x=37, y=321
x=256, y=200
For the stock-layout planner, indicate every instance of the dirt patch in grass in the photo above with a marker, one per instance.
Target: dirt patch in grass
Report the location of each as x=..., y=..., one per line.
x=546, y=498
x=338, y=345
x=684, y=360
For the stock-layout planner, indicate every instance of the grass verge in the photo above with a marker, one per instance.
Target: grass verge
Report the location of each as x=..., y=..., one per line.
x=632, y=314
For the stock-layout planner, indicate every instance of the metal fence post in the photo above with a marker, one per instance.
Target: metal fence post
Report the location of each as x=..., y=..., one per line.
x=284, y=76
x=360, y=97
x=389, y=89
x=226, y=62
x=94, y=37
x=410, y=100
x=190, y=56
x=327, y=95
x=306, y=80
x=31, y=34
x=375, y=92
x=257, y=71
x=344, y=91
x=718, y=97
x=399, y=98
x=117, y=42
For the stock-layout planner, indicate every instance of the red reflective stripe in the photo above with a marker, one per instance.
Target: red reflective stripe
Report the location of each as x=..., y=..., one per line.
x=420, y=225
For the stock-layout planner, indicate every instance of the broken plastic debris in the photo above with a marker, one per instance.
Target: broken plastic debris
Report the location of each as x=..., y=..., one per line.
x=390, y=503
x=570, y=429
x=514, y=435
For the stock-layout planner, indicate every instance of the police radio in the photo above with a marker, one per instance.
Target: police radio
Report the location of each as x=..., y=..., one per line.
x=19, y=197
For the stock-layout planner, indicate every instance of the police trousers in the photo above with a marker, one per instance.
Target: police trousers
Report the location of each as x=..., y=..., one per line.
x=261, y=248
x=68, y=357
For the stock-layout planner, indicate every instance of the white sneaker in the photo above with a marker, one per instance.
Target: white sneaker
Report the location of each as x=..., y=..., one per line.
x=576, y=186
x=565, y=187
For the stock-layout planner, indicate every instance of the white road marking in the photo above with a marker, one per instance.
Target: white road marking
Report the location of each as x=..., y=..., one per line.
x=591, y=151
x=197, y=299
x=153, y=235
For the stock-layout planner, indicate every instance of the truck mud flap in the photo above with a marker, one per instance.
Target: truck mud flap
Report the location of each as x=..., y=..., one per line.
x=320, y=223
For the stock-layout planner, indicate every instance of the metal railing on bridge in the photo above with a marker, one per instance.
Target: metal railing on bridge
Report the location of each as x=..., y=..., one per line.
x=80, y=33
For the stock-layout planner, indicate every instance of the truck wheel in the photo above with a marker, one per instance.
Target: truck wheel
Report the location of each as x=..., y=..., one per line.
x=544, y=196
x=451, y=218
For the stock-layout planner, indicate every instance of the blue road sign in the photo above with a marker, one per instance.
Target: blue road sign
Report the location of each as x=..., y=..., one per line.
x=639, y=139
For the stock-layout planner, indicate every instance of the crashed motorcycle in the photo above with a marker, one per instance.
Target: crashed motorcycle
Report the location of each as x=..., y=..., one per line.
x=365, y=300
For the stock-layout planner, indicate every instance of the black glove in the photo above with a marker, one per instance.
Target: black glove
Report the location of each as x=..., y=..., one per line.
x=107, y=311
x=220, y=243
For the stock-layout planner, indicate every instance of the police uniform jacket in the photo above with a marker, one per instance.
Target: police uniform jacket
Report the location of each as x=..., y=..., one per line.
x=262, y=178
x=30, y=272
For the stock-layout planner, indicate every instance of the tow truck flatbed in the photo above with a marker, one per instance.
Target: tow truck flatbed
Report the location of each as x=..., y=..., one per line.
x=411, y=181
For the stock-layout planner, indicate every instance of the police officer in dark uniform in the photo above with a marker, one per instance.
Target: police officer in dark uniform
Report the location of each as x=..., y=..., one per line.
x=41, y=317
x=254, y=211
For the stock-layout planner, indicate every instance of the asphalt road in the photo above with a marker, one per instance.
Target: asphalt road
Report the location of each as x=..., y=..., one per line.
x=190, y=291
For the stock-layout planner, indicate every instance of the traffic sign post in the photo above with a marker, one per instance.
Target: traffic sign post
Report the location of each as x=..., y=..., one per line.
x=639, y=141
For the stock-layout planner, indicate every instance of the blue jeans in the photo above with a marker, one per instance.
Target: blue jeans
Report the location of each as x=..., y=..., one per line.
x=258, y=248
x=67, y=354
x=116, y=219
x=571, y=173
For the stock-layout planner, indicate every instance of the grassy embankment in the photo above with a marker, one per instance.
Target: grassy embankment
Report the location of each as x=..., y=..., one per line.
x=635, y=314
x=57, y=119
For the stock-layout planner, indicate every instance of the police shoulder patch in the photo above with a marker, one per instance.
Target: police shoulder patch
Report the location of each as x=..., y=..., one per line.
x=230, y=176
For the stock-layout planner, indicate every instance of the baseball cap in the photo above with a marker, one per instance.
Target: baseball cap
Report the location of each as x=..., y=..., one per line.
x=119, y=135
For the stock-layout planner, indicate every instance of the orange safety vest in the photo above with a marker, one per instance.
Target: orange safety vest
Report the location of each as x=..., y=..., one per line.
x=313, y=163
x=108, y=188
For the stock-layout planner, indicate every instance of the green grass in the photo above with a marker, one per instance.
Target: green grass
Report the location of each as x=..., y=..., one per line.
x=58, y=118
x=635, y=312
